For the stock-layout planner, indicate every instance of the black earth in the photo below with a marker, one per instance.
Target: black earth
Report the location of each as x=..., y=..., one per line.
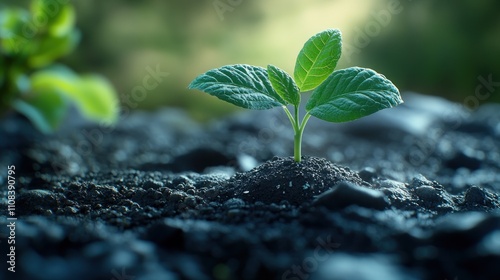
x=407, y=193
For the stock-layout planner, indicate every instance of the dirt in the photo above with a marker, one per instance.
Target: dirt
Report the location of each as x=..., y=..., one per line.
x=408, y=193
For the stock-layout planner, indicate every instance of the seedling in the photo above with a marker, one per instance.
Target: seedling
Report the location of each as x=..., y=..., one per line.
x=338, y=96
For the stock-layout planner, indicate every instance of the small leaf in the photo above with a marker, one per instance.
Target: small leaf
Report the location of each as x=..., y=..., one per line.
x=49, y=49
x=12, y=40
x=317, y=59
x=57, y=78
x=45, y=110
x=98, y=99
x=352, y=93
x=284, y=85
x=242, y=85
x=59, y=17
x=93, y=95
x=64, y=22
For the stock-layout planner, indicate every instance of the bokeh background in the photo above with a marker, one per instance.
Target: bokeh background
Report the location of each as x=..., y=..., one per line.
x=431, y=47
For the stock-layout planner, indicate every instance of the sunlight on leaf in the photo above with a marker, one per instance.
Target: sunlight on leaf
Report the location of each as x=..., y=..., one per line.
x=352, y=93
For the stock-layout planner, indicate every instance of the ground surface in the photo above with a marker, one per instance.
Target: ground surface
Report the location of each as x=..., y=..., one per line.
x=409, y=193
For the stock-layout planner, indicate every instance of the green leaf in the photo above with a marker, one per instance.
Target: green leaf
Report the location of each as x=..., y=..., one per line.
x=49, y=49
x=284, y=85
x=352, y=93
x=98, y=99
x=242, y=85
x=57, y=78
x=45, y=110
x=12, y=21
x=13, y=42
x=59, y=17
x=93, y=95
x=317, y=59
x=63, y=22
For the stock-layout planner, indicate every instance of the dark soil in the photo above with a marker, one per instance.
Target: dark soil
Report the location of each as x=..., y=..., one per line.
x=408, y=193
x=291, y=182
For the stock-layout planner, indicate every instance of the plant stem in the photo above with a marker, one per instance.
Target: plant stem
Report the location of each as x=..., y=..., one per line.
x=304, y=121
x=298, y=137
x=297, y=146
x=290, y=117
x=298, y=130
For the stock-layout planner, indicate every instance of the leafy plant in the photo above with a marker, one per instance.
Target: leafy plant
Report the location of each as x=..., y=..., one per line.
x=30, y=42
x=339, y=96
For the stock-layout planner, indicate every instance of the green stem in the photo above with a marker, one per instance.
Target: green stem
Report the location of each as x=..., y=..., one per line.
x=297, y=137
x=290, y=117
x=299, y=131
x=297, y=149
x=304, y=122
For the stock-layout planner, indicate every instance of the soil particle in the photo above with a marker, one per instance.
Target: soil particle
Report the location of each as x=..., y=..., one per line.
x=368, y=174
x=345, y=194
x=398, y=193
x=476, y=197
x=36, y=202
x=435, y=198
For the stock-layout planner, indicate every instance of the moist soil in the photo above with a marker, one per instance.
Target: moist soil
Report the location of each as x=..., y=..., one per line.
x=407, y=193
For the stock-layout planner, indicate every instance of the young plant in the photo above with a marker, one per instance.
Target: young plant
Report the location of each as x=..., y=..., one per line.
x=31, y=83
x=339, y=96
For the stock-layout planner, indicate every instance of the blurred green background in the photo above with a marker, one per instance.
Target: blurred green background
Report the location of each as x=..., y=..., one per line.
x=432, y=47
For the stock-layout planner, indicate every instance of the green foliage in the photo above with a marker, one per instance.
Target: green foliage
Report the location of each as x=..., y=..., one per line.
x=317, y=59
x=284, y=85
x=242, y=85
x=45, y=110
x=340, y=96
x=30, y=42
x=352, y=93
